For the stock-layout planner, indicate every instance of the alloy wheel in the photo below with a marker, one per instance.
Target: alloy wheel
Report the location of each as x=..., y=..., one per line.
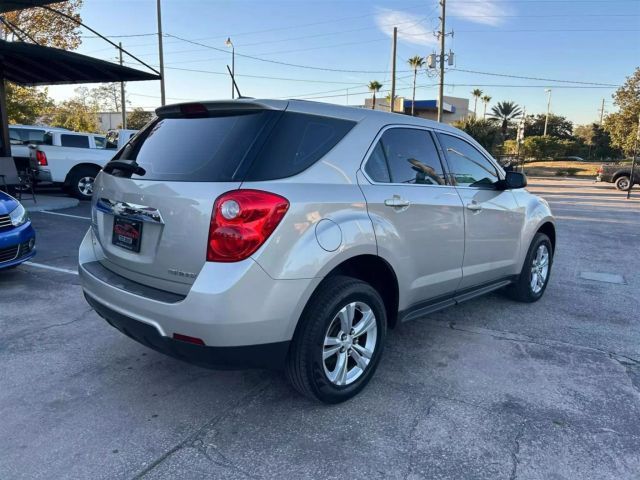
x=349, y=343
x=539, y=269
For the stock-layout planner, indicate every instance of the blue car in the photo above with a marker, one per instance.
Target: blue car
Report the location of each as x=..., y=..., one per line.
x=17, y=236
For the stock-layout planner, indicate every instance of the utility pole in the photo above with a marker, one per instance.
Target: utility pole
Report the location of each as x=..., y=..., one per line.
x=123, y=103
x=546, y=120
x=632, y=178
x=162, y=96
x=393, y=68
x=442, y=37
x=602, y=112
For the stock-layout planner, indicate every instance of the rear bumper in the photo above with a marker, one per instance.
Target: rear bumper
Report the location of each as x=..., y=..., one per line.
x=229, y=306
x=270, y=355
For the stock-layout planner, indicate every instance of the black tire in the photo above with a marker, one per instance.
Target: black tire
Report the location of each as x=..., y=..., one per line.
x=305, y=367
x=78, y=175
x=622, y=183
x=522, y=290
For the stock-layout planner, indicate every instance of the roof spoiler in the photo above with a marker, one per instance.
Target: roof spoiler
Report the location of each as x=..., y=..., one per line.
x=204, y=109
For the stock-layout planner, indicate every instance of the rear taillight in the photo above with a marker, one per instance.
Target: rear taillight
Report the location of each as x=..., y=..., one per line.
x=241, y=222
x=41, y=157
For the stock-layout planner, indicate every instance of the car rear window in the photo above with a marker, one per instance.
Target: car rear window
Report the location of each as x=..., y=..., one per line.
x=256, y=145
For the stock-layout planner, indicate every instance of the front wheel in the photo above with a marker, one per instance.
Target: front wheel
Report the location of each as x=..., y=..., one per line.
x=534, y=277
x=339, y=340
x=622, y=183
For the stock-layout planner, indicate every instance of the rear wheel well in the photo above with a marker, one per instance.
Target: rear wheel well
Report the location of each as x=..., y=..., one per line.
x=550, y=231
x=75, y=168
x=379, y=274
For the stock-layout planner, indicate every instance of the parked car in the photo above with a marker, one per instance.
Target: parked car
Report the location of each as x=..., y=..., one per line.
x=17, y=236
x=618, y=174
x=291, y=234
x=73, y=159
x=569, y=159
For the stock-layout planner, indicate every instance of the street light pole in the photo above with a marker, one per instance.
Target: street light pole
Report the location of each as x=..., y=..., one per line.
x=123, y=103
x=161, y=54
x=546, y=120
x=229, y=43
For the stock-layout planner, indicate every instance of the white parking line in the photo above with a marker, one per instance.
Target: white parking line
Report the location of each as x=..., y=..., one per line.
x=64, y=215
x=48, y=267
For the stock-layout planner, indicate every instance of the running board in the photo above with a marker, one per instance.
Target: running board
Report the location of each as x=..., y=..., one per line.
x=420, y=310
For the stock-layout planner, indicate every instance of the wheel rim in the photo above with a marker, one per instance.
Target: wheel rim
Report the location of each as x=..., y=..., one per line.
x=85, y=186
x=540, y=269
x=349, y=343
x=623, y=184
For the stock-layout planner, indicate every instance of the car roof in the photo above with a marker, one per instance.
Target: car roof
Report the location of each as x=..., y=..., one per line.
x=39, y=127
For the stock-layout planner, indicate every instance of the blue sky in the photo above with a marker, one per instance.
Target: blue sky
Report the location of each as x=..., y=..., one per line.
x=572, y=40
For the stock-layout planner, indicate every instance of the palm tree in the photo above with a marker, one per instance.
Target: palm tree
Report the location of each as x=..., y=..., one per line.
x=374, y=86
x=505, y=112
x=476, y=93
x=485, y=99
x=416, y=62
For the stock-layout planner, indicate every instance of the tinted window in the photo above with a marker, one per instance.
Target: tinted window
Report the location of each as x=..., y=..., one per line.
x=76, y=141
x=260, y=145
x=412, y=157
x=297, y=142
x=27, y=135
x=100, y=142
x=468, y=167
x=377, y=167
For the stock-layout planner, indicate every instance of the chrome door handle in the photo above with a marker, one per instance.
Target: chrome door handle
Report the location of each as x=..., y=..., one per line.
x=397, y=202
x=474, y=206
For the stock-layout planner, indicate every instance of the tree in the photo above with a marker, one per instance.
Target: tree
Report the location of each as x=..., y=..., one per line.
x=558, y=126
x=107, y=97
x=597, y=141
x=476, y=93
x=484, y=132
x=26, y=105
x=374, y=86
x=622, y=125
x=79, y=113
x=416, y=62
x=505, y=112
x=485, y=99
x=48, y=28
x=138, y=118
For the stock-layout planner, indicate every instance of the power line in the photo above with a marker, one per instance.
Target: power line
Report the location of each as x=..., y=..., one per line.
x=533, y=78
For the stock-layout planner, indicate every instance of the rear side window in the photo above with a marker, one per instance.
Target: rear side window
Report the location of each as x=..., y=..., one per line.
x=257, y=145
x=100, y=142
x=75, y=141
x=410, y=156
x=297, y=142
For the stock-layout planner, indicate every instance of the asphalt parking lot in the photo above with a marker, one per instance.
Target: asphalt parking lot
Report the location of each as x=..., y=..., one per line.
x=490, y=389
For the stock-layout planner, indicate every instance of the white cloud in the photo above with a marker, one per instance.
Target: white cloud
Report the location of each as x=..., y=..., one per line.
x=486, y=13
x=411, y=28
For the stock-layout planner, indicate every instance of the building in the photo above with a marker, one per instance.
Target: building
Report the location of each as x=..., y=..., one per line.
x=453, y=108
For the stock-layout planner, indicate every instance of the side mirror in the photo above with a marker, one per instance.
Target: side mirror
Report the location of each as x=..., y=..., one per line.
x=513, y=180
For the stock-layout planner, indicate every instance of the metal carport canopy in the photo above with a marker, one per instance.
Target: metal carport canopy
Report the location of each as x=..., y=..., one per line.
x=29, y=64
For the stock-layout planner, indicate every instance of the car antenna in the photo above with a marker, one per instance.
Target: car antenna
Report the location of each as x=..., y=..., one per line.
x=235, y=85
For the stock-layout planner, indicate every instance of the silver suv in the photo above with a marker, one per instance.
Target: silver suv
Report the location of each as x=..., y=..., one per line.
x=291, y=234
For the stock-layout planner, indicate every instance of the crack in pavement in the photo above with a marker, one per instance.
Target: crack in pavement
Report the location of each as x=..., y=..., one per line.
x=28, y=333
x=517, y=337
x=412, y=448
x=191, y=439
x=516, y=451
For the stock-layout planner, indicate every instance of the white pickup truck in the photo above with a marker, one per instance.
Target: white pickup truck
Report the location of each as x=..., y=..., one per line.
x=74, y=159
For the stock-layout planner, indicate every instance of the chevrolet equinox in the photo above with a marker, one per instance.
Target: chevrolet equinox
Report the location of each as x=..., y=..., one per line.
x=292, y=234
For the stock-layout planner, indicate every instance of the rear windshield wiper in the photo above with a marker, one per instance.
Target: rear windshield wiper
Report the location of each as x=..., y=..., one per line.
x=129, y=166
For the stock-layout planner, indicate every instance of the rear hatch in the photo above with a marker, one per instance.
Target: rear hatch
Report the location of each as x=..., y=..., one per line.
x=153, y=224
